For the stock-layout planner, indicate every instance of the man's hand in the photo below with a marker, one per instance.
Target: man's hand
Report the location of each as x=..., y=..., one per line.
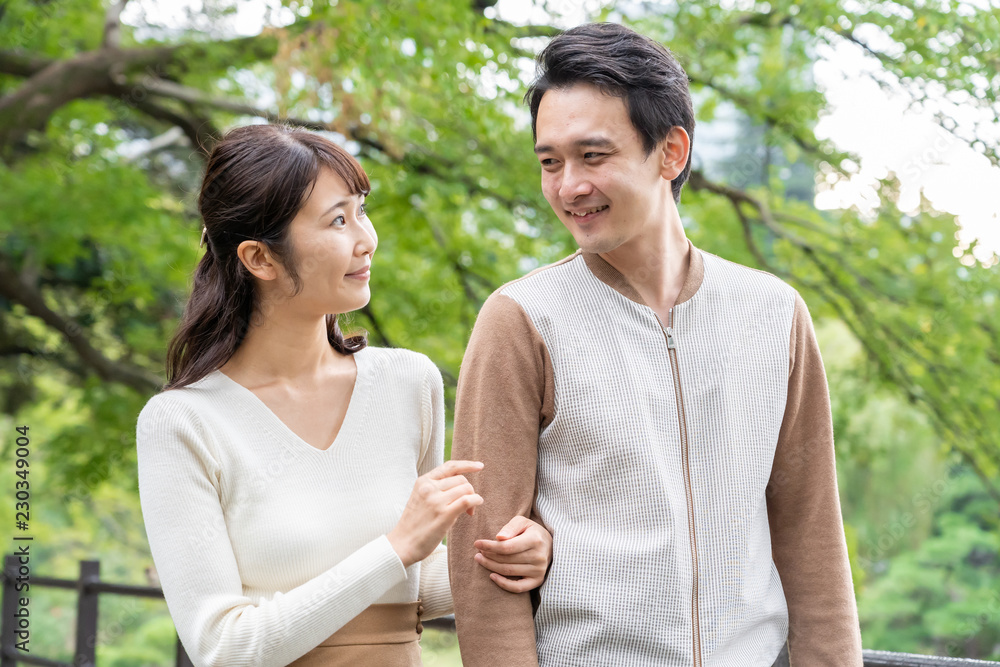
x=520, y=556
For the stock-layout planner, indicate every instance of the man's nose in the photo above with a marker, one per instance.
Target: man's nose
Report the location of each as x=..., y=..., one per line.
x=575, y=183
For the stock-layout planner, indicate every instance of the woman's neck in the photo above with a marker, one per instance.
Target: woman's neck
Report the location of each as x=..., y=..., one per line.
x=283, y=348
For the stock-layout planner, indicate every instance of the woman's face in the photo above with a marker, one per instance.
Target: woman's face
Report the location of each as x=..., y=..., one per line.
x=332, y=241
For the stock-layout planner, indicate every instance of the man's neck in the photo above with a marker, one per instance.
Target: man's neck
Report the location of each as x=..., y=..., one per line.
x=655, y=264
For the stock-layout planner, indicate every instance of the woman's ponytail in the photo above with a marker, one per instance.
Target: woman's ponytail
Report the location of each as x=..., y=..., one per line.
x=214, y=323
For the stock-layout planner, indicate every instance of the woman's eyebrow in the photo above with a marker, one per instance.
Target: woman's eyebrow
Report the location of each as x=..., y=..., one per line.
x=339, y=204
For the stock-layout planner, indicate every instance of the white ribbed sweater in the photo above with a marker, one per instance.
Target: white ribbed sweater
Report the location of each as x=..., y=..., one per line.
x=265, y=545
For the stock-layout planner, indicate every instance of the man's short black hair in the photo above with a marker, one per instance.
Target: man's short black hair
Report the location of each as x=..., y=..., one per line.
x=625, y=64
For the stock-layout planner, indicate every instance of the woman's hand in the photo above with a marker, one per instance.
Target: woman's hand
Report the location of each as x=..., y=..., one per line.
x=435, y=503
x=519, y=557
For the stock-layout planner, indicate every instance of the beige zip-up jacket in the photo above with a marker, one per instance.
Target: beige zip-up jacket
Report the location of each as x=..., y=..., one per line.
x=685, y=469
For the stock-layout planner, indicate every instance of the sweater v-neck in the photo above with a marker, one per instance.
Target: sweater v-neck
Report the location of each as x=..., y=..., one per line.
x=265, y=417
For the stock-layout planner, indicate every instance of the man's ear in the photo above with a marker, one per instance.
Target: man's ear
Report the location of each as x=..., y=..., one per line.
x=257, y=259
x=673, y=152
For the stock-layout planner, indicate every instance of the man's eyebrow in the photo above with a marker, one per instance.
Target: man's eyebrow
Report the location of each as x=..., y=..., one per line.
x=588, y=142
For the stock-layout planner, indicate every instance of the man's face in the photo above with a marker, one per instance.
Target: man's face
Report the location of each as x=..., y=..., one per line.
x=595, y=174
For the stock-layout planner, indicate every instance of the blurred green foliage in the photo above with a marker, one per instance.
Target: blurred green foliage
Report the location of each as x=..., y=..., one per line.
x=102, y=140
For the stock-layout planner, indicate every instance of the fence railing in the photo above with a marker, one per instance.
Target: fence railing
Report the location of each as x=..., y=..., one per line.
x=871, y=658
x=89, y=587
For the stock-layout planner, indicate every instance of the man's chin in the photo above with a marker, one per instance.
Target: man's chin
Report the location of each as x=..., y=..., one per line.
x=596, y=245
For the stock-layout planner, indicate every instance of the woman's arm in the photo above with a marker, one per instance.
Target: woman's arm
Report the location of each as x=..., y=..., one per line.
x=188, y=536
x=435, y=591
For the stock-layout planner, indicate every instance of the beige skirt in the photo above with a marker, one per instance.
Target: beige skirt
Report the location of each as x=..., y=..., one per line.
x=383, y=635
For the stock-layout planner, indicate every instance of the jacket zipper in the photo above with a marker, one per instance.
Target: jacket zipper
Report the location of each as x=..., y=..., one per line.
x=668, y=331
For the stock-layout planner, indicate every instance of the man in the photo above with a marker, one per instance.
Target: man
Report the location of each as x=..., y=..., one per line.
x=662, y=411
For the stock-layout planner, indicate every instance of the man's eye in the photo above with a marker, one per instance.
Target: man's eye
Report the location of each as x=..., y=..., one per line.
x=547, y=162
x=591, y=154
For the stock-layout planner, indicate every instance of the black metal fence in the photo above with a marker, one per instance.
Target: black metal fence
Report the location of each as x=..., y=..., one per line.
x=89, y=586
x=871, y=658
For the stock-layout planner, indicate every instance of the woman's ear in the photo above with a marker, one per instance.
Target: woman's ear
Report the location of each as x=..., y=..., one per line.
x=257, y=259
x=673, y=151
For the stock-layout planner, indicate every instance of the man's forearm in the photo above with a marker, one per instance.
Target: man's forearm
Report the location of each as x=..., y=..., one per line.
x=807, y=533
x=500, y=407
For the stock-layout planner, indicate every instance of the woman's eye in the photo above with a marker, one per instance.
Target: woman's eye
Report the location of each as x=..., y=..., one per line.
x=363, y=211
x=339, y=221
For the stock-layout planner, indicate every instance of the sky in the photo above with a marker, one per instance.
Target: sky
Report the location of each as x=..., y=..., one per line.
x=864, y=119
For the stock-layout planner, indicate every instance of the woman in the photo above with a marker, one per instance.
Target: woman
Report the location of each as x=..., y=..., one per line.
x=291, y=479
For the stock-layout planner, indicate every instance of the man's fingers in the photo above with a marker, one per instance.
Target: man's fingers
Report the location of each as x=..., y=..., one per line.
x=515, y=545
x=530, y=558
x=522, y=557
x=455, y=467
x=514, y=527
x=516, y=585
x=507, y=569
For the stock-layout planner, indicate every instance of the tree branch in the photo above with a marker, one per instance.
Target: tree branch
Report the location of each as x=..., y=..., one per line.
x=195, y=97
x=199, y=130
x=112, y=72
x=415, y=159
x=112, y=25
x=749, y=107
x=367, y=310
x=171, y=137
x=88, y=75
x=18, y=350
x=874, y=334
x=851, y=37
x=14, y=289
x=519, y=31
x=22, y=64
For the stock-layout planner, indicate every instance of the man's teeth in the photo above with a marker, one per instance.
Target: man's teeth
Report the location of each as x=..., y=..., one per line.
x=589, y=211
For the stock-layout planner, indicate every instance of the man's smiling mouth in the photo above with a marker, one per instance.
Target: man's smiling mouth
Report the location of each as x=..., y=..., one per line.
x=589, y=211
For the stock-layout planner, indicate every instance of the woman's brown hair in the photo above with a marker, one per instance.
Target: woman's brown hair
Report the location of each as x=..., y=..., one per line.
x=256, y=180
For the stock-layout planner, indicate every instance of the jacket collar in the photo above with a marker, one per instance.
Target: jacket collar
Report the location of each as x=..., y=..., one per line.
x=610, y=276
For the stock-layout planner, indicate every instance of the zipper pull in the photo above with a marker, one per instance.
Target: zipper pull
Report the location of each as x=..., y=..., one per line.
x=671, y=342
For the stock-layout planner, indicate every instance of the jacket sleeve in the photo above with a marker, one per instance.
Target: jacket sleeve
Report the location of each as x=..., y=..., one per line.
x=803, y=507
x=505, y=397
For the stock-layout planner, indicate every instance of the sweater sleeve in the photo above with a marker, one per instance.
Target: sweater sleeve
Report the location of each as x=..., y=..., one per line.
x=807, y=532
x=435, y=591
x=505, y=397
x=179, y=489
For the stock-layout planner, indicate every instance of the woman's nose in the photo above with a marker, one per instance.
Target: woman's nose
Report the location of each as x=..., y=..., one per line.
x=367, y=238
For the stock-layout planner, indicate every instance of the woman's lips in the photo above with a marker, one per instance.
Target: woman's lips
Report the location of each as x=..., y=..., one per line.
x=363, y=274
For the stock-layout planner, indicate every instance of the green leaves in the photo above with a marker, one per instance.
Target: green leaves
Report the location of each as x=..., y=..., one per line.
x=99, y=220
x=941, y=597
